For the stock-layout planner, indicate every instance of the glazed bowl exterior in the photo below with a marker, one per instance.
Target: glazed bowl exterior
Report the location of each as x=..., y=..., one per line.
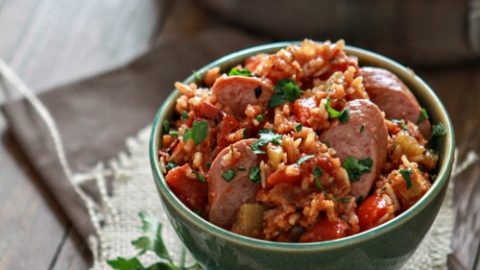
x=387, y=246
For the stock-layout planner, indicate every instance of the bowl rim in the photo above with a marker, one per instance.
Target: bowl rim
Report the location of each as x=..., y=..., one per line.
x=441, y=179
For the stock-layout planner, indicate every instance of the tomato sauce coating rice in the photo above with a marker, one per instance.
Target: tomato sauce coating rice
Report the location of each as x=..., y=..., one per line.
x=301, y=145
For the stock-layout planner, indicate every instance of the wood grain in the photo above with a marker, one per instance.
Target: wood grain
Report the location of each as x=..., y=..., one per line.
x=31, y=225
x=459, y=89
x=51, y=42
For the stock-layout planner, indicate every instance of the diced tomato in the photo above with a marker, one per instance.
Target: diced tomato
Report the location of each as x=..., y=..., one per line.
x=325, y=163
x=325, y=230
x=372, y=210
x=206, y=110
x=190, y=191
x=228, y=125
x=279, y=176
x=302, y=107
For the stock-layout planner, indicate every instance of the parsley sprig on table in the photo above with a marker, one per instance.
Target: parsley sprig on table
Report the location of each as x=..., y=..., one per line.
x=151, y=241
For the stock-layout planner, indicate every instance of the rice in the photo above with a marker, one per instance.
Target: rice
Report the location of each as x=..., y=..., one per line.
x=302, y=180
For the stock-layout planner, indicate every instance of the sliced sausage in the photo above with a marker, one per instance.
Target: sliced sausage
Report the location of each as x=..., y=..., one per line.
x=363, y=136
x=226, y=197
x=393, y=97
x=236, y=92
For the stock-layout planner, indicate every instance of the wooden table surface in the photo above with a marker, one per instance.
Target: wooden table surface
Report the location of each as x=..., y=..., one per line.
x=51, y=42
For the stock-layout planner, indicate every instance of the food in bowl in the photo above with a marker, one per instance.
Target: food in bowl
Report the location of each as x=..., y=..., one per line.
x=301, y=145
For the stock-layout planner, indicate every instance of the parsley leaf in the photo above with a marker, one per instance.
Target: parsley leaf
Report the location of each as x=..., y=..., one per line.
x=165, y=126
x=342, y=116
x=298, y=127
x=199, y=131
x=187, y=135
x=228, y=175
x=200, y=177
x=438, y=130
x=266, y=136
x=401, y=123
x=356, y=167
x=260, y=118
x=423, y=115
x=317, y=173
x=240, y=72
x=254, y=175
x=121, y=263
x=304, y=158
x=406, y=174
x=153, y=231
x=285, y=90
x=150, y=241
x=173, y=133
x=171, y=165
x=197, y=76
x=184, y=115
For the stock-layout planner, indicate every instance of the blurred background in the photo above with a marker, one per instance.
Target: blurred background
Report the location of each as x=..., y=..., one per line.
x=51, y=43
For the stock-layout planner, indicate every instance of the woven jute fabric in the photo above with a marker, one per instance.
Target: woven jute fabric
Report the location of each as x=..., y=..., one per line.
x=134, y=191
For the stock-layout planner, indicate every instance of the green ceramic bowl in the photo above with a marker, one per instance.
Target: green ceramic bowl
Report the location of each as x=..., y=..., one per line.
x=387, y=246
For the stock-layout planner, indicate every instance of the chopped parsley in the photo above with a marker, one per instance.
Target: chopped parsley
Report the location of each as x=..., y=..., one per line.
x=423, y=115
x=344, y=200
x=360, y=200
x=208, y=164
x=187, y=135
x=406, y=174
x=228, y=175
x=165, y=126
x=254, y=175
x=304, y=158
x=200, y=177
x=184, y=115
x=266, y=136
x=197, y=76
x=438, y=130
x=170, y=165
x=199, y=131
x=285, y=90
x=362, y=128
x=239, y=72
x=342, y=116
x=260, y=118
x=401, y=123
x=318, y=184
x=241, y=169
x=356, y=167
x=317, y=173
x=173, y=133
x=298, y=127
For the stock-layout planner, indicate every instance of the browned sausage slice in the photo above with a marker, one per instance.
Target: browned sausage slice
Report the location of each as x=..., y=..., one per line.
x=393, y=97
x=226, y=197
x=236, y=92
x=369, y=141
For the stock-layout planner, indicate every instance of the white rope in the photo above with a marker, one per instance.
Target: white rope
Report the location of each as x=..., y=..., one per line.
x=9, y=77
